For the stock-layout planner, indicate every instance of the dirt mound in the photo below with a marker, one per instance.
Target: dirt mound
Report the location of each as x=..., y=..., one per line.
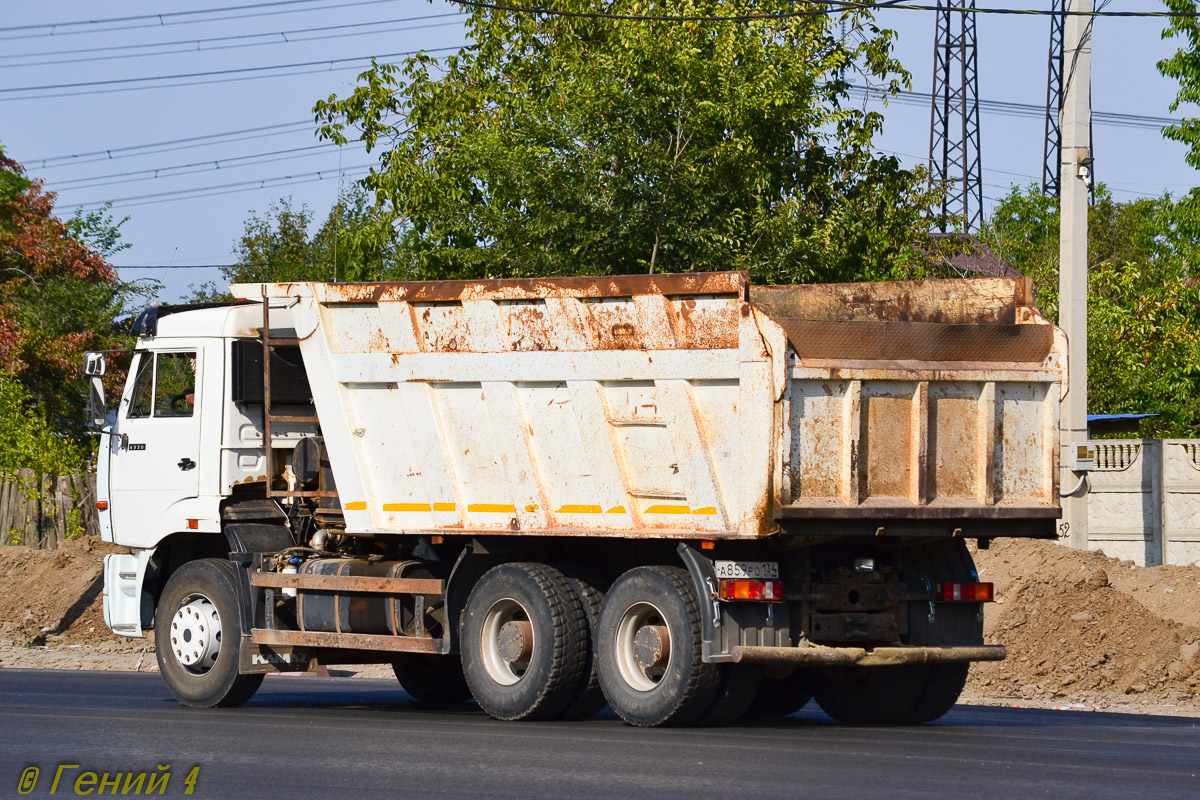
x=51, y=596
x=1077, y=623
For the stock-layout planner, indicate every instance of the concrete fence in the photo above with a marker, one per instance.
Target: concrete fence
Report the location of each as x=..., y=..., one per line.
x=42, y=510
x=1145, y=500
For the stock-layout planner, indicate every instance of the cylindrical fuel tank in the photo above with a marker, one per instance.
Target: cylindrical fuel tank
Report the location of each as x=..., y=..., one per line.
x=345, y=612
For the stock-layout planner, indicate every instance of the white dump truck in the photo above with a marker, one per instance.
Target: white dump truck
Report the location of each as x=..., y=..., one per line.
x=681, y=496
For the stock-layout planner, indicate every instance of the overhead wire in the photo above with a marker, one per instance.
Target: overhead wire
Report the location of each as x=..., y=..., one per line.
x=225, y=188
x=275, y=37
x=832, y=7
x=166, y=23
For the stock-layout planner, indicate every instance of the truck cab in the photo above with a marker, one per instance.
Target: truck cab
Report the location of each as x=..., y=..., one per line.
x=185, y=436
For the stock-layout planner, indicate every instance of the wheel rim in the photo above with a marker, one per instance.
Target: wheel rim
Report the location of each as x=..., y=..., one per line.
x=506, y=642
x=196, y=634
x=643, y=647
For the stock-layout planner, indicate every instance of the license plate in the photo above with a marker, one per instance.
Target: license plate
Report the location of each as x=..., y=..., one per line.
x=760, y=570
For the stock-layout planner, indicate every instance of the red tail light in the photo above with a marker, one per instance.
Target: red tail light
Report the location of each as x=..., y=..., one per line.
x=967, y=593
x=771, y=591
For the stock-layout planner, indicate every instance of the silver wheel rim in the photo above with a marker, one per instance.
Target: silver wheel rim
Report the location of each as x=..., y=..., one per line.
x=635, y=618
x=195, y=634
x=498, y=663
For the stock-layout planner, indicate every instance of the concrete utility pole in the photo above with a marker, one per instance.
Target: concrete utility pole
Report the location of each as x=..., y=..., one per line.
x=1076, y=176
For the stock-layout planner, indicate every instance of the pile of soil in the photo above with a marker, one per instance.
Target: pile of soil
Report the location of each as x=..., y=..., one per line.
x=1083, y=626
x=51, y=610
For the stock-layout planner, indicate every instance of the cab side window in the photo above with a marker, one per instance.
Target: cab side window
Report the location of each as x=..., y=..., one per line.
x=143, y=387
x=175, y=385
x=165, y=385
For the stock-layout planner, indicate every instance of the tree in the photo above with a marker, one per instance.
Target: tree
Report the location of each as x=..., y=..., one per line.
x=1143, y=298
x=355, y=243
x=58, y=296
x=578, y=145
x=1184, y=66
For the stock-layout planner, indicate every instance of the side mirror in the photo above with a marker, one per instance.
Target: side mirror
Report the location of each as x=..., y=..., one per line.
x=95, y=364
x=97, y=407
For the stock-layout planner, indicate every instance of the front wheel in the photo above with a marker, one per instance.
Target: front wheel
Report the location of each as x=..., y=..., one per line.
x=197, y=631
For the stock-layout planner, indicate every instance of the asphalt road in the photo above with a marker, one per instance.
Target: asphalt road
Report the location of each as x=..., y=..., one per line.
x=307, y=737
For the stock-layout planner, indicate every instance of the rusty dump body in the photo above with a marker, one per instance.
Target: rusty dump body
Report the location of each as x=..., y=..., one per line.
x=672, y=406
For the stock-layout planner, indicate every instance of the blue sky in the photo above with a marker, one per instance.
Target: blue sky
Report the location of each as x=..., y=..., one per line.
x=78, y=138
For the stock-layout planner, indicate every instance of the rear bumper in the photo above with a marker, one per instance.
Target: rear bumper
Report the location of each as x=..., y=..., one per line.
x=818, y=656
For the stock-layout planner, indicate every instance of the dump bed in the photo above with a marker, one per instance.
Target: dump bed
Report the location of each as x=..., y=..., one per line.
x=672, y=405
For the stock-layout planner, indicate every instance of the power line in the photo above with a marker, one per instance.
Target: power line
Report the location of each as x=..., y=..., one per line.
x=233, y=75
x=109, y=153
x=259, y=183
x=276, y=37
x=174, y=170
x=174, y=266
x=1012, y=108
x=164, y=23
x=159, y=17
x=833, y=7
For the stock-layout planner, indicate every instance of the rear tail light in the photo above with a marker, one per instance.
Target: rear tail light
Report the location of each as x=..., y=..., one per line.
x=102, y=505
x=967, y=593
x=751, y=590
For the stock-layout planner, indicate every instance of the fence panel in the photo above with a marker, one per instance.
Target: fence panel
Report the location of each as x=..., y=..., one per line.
x=41, y=511
x=1145, y=500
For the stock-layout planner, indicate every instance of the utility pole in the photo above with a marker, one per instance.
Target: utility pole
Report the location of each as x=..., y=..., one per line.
x=1074, y=185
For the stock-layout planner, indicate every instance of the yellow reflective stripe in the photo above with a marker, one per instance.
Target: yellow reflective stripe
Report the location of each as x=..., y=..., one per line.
x=667, y=509
x=532, y=507
x=491, y=508
x=406, y=507
x=616, y=510
x=710, y=510
x=443, y=506
x=357, y=505
x=579, y=510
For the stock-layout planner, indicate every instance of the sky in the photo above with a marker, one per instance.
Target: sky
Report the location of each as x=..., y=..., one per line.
x=112, y=111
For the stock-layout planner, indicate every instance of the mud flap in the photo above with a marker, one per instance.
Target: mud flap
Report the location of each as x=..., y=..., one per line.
x=256, y=658
x=126, y=606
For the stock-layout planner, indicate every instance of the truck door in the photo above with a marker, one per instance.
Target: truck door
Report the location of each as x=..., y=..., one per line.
x=155, y=463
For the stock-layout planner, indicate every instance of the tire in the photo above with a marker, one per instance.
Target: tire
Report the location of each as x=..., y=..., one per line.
x=943, y=685
x=736, y=692
x=869, y=695
x=781, y=697
x=197, y=631
x=953, y=624
x=589, y=698
x=523, y=642
x=432, y=679
x=659, y=605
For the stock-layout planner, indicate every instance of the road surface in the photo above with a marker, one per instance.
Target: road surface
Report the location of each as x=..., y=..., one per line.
x=307, y=737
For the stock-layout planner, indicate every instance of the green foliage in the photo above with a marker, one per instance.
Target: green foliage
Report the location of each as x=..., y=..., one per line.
x=1143, y=298
x=355, y=243
x=556, y=146
x=28, y=440
x=1184, y=66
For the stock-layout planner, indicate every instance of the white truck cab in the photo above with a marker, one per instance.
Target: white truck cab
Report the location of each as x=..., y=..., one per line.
x=176, y=446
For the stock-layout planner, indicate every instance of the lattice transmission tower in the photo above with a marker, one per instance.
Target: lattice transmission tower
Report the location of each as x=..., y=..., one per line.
x=1052, y=158
x=954, y=157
